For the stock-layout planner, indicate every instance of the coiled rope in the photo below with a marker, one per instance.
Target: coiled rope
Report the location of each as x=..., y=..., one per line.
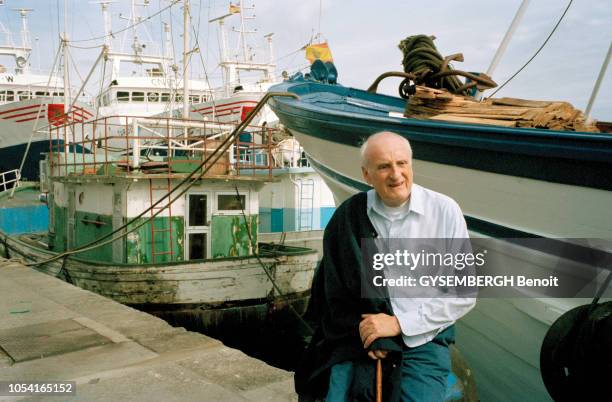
x=431, y=69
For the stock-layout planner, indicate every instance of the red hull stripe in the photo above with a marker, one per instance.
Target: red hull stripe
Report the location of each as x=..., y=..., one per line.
x=20, y=115
x=221, y=111
x=42, y=117
x=20, y=108
x=225, y=105
x=77, y=114
x=83, y=111
x=225, y=114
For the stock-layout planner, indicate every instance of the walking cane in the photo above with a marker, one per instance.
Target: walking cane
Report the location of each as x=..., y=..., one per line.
x=378, y=380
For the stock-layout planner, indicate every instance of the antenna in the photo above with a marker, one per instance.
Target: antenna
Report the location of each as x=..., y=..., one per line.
x=25, y=33
x=107, y=22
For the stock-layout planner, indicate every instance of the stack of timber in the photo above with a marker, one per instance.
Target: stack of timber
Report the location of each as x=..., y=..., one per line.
x=439, y=104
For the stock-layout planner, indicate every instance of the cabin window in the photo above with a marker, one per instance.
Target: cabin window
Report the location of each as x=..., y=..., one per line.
x=194, y=99
x=7, y=96
x=197, y=210
x=58, y=94
x=24, y=95
x=229, y=202
x=197, y=246
x=152, y=96
x=178, y=98
x=41, y=93
x=123, y=96
x=138, y=96
x=165, y=97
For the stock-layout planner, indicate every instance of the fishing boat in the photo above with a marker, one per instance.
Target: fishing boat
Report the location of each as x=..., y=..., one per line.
x=175, y=235
x=140, y=81
x=246, y=75
x=510, y=183
x=30, y=102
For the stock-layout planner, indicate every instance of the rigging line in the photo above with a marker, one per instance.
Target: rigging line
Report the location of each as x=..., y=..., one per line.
x=320, y=14
x=57, y=12
x=86, y=47
x=537, y=51
x=75, y=68
x=267, y=269
x=197, y=45
x=289, y=54
x=100, y=95
x=35, y=127
x=214, y=156
x=112, y=34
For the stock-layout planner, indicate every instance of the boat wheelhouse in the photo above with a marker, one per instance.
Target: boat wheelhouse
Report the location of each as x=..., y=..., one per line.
x=166, y=231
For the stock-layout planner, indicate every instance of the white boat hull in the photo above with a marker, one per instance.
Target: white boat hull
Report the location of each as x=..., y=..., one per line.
x=28, y=121
x=200, y=286
x=500, y=338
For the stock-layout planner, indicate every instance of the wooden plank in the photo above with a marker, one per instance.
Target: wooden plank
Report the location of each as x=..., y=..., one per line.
x=473, y=120
x=519, y=102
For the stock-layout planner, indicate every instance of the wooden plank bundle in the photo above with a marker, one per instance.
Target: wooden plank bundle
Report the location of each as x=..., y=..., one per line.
x=439, y=104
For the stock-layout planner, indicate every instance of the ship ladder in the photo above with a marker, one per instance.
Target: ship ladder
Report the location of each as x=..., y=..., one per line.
x=305, y=206
x=167, y=230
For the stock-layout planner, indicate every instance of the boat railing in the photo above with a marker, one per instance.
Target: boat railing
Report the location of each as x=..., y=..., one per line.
x=154, y=145
x=288, y=153
x=9, y=179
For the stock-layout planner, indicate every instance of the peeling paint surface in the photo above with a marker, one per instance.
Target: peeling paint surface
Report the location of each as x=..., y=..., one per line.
x=230, y=237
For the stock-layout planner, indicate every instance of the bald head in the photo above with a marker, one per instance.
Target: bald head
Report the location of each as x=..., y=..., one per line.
x=383, y=139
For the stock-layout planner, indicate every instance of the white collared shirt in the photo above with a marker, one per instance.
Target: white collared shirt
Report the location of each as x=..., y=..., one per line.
x=427, y=214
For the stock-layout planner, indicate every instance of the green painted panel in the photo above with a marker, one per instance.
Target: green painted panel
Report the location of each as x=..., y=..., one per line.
x=89, y=227
x=230, y=238
x=139, y=247
x=58, y=243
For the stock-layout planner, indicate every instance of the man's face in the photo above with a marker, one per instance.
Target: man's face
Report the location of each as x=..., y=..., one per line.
x=389, y=169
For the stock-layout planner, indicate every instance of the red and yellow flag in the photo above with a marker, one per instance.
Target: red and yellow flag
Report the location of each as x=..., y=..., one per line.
x=318, y=51
x=234, y=9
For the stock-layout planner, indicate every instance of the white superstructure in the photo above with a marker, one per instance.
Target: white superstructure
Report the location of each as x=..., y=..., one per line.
x=29, y=103
x=142, y=82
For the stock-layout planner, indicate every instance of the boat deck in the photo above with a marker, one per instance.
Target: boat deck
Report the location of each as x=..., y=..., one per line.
x=53, y=331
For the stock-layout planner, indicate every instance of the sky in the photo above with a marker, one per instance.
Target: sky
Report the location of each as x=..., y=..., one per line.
x=363, y=36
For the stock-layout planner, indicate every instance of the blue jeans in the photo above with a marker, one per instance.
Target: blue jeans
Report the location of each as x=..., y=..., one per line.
x=425, y=371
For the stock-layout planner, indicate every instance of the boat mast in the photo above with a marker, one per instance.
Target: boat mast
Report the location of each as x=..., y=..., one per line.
x=107, y=24
x=600, y=77
x=25, y=36
x=167, y=51
x=509, y=33
x=186, y=60
x=227, y=68
x=243, y=34
x=506, y=40
x=65, y=57
x=270, y=48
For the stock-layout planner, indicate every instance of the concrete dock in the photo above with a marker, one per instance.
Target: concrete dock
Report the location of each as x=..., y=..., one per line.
x=51, y=330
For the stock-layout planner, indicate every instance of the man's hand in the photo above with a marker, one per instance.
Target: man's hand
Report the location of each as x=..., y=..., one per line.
x=374, y=326
x=377, y=354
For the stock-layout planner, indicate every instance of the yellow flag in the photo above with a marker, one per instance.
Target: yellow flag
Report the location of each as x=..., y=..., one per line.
x=234, y=9
x=318, y=51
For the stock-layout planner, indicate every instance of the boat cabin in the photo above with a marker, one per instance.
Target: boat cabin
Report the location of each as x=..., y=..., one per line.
x=91, y=194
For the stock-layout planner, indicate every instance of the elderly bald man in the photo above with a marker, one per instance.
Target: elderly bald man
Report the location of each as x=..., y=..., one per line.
x=410, y=335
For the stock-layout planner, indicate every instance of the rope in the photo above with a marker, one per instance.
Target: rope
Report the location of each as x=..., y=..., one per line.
x=266, y=269
x=211, y=160
x=422, y=59
x=537, y=51
x=112, y=34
